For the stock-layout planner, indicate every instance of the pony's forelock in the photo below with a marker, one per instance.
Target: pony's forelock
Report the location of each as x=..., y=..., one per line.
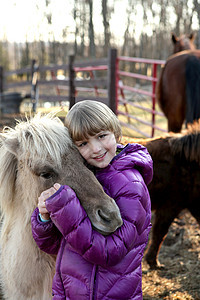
x=43, y=136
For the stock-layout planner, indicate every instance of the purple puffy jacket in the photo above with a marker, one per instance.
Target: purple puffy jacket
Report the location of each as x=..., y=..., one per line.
x=91, y=266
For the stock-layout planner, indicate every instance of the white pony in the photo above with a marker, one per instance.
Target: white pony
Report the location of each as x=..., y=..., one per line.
x=33, y=156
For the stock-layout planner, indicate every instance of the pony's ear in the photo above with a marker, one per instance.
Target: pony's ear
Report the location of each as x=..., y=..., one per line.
x=192, y=36
x=12, y=144
x=174, y=38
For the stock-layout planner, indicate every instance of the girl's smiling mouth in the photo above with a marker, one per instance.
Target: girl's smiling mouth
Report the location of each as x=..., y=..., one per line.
x=99, y=157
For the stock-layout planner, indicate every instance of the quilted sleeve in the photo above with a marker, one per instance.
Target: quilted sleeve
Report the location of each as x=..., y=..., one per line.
x=46, y=235
x=71, y=220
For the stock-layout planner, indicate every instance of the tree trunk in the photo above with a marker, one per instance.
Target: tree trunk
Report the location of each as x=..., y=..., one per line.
x=106, y=25
x=92, y=49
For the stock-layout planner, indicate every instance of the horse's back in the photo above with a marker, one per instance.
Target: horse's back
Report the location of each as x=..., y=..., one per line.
x=171, y=88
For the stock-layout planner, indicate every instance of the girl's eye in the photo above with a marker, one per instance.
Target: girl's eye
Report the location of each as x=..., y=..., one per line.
x=102, y=136
x=82, y=144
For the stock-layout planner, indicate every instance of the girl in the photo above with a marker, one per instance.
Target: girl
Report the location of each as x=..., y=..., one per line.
x=90, y=265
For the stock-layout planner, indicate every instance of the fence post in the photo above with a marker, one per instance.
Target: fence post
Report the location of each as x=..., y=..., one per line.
x=34, y=85
x=112, y=82
x=71, y=82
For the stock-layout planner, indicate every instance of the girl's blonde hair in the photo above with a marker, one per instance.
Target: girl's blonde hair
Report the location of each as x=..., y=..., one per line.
x=87, y=118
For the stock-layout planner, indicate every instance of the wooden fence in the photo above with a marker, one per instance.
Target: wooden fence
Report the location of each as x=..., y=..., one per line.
x=68, y=89
x=100, y=80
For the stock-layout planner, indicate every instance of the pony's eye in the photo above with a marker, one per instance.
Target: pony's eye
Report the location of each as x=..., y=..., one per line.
x=46, y=175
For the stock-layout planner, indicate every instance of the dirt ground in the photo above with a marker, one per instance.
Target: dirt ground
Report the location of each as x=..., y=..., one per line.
x=180, y=256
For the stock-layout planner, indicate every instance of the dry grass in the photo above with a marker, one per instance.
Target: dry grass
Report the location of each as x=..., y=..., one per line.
x=140, y=128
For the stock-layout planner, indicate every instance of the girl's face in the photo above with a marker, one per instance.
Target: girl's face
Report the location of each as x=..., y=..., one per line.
x=98, y=150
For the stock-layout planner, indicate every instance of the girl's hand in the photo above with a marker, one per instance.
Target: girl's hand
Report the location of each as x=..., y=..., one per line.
x=42, y=198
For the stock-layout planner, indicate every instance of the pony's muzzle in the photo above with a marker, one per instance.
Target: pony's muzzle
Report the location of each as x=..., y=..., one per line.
x=108, y=221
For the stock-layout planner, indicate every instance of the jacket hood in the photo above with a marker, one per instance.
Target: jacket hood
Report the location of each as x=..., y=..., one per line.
x=135, y=156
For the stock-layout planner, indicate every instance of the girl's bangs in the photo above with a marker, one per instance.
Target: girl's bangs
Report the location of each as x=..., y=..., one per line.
x=90, y=119
x=83, y=128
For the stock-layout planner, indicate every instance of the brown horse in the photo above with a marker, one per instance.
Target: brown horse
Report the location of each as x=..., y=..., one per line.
x=176, y=182
x=178, y=88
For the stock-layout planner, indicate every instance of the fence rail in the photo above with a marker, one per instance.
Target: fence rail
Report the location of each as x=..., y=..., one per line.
x=120, y=98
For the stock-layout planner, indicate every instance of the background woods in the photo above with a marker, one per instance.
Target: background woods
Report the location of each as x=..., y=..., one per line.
x=139, y=28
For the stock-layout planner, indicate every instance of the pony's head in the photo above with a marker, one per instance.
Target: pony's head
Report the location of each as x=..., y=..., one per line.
x=39, y=152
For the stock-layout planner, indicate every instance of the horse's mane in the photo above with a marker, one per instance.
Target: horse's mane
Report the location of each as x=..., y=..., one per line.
x=187, y=144
x=37, y=137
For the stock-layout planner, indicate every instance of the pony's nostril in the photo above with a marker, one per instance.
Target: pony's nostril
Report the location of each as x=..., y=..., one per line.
x=103, y=216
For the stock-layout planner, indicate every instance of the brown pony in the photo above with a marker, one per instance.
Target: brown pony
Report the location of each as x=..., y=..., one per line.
x=33, y=156
x=178, y=87
x=176, y=182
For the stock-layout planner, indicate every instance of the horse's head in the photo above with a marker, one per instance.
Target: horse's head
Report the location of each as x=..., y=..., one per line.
x=183, y=42
x=38, y=153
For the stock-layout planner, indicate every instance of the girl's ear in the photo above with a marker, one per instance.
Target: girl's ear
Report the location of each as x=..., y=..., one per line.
x=118, y=138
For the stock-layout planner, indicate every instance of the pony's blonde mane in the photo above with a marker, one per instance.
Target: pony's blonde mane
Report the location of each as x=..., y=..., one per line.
x=39, y=137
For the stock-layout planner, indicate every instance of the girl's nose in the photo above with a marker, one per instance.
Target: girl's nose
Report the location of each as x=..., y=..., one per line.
x=95, y=147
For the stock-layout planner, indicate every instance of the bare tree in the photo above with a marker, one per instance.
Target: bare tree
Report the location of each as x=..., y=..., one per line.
x=4, y=55
x=197, y=10
x=25, y=56
x=75, y=12
x=83, y=19
x=106, y=18
x=92, y=47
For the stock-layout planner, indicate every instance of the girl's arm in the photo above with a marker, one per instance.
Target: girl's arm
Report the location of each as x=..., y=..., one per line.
x=44, y=231
x=72, y=221
x=45, y=234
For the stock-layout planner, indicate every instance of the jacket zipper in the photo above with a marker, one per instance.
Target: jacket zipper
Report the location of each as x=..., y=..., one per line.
x=93, y=277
